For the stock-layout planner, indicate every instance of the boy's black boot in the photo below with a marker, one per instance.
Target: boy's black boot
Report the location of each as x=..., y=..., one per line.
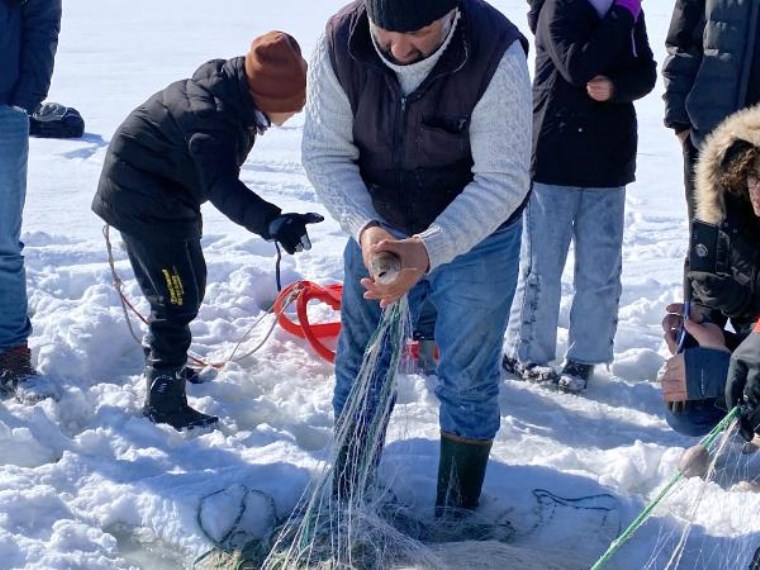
x=166, y=401
x=461, y=471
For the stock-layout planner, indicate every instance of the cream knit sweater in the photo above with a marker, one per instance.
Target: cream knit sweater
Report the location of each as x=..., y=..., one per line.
x=500, y=137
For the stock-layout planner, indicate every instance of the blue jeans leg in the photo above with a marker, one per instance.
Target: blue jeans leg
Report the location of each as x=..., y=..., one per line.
x=700, y=417
x=15, y=327
x=473, y=294
x=548, y=219
x=598, y=237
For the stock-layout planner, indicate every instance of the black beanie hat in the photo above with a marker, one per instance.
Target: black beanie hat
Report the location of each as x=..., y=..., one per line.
x=407, y=15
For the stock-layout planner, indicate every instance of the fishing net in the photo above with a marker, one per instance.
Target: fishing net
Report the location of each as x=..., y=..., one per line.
x=349, y=519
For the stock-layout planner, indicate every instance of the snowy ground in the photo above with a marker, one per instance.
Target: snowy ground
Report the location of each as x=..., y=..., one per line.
x=88, y=483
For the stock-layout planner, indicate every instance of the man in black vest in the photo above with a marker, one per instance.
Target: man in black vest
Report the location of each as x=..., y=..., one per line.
x=417, y=139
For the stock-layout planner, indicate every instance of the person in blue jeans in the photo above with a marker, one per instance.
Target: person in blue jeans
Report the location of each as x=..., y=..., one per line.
x=28, y=42
x=417, y=140
x=592, y=61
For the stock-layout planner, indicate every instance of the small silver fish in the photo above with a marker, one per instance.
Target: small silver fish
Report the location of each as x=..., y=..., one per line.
x=695, y=461
x=385, y=267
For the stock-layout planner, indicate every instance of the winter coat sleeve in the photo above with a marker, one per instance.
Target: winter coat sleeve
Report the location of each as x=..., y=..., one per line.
x=41, y=24
x=635, y=81
x=328, y=151
x=214, y=152
x=685, y=51
x=500, y=137
x=578, y=55
x=706, y=371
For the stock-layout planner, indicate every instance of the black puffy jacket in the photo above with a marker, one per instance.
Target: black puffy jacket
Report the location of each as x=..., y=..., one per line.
x=182, y=147
x=578, y=141
x=713, y=50
x=28, y=42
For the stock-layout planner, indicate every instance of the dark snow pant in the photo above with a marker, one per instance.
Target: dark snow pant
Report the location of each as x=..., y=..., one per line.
x=172, y=276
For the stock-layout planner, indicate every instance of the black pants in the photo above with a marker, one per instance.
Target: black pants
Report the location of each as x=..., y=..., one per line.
x=172, y=276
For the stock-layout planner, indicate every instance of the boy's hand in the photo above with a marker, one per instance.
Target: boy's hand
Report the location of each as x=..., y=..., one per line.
x=290, y=231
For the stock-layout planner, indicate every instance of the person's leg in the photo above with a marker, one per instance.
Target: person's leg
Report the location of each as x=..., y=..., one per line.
x=599, y=225
x=473, y=294
x=166, y=274
x=697, y=418
x=169, y=274
x=359, y=319
x=360, y=414
x=15, y=326
x=548, y=218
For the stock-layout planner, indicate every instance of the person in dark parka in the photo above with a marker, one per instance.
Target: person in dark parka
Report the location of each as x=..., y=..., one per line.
x=712, y=70
x=728, y=197
x=28, y=42
x=182, y=147
x=592, y=61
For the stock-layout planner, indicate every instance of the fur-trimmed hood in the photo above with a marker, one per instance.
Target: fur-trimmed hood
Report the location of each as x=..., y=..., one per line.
x=710, y=195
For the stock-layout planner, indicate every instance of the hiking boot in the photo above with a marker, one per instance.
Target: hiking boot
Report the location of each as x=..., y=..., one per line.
x=166, y=401
x=575, y=376
x=536, y=373
x=19, y=378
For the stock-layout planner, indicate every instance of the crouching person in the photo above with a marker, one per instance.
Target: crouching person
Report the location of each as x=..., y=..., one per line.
x=726, y=287
x=182, y=147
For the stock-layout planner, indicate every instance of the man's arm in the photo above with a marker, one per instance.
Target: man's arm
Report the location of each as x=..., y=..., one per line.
x=684, y=46
x=328, y=151
x=41, y=24
x=500, y=137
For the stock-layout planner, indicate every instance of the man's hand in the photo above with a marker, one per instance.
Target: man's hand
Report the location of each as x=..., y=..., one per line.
x=671, y=325
x=414, y=264
x=743, y=384
x=673, y=379
x=600, y=88
x=369, y=238
x=707, y=335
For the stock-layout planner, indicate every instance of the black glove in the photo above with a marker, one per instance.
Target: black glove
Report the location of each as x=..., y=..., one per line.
x=290, y=230
x=721, y=292
x=743, y=384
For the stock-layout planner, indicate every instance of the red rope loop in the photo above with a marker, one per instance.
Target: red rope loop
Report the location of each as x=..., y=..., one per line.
x=313, y=333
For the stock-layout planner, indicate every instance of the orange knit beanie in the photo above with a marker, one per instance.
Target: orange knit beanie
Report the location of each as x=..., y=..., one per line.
x=276, y=73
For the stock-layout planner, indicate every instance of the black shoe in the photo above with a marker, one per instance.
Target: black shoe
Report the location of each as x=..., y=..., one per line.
x=19, y=378
x=575, y=376
x=167, y=402
x=536, y=373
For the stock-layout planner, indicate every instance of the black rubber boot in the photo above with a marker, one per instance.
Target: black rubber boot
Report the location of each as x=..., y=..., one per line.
x=166, y=401
x=461, y=471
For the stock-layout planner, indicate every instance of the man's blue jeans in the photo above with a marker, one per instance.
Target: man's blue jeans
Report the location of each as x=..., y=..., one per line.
x=473, y=294
x=14, y=151
x=593, y=218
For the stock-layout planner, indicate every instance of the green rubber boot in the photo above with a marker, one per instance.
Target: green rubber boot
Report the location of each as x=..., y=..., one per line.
x=461, y=471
